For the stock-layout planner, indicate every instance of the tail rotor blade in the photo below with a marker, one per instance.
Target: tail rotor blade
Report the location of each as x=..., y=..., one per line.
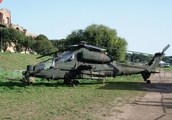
x=165, y=48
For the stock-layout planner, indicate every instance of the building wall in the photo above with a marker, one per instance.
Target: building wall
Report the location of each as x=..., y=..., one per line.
x=5, y=18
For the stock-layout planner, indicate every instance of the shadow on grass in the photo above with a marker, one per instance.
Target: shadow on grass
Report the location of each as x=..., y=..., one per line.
x=123, y=86
x=141, y=86
x=22, y=84
x=11, y=84
x=109, y=85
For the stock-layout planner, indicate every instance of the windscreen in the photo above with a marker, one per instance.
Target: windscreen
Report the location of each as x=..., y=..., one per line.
x=47, y=64
x=50, y=63
x=66, y=56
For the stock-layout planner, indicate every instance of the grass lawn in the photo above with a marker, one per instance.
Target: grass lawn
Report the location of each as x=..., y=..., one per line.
x=91, y=100
x=17, y=61
x=168, y=69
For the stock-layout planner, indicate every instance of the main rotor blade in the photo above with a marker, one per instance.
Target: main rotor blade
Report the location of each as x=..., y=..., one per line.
x=47, y=54
x=139, y=52
x=132, y=51
x=83, y=44
x=95, y=47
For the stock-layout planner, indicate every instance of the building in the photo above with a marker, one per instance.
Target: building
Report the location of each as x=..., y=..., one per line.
x=5, y=18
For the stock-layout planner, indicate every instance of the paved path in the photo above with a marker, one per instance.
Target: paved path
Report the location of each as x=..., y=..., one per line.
x=155, y=105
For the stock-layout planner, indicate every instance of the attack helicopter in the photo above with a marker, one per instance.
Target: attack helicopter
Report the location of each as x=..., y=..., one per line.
x=87, y=62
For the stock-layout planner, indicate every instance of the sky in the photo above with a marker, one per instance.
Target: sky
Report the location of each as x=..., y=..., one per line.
x=146, y=25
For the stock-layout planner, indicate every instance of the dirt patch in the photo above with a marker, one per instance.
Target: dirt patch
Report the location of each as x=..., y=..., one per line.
x=155, y=105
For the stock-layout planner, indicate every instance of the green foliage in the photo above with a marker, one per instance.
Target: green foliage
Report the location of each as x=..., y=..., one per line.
x=10, y=35
x=75, y=37
x=100, y=35
x=17, y=61
x=28, y=42
x=168, y=69
x=19, y=48
x=41, y=37
x=42, y=45
x=59, y=44
x=167, y=59
x=138, y=58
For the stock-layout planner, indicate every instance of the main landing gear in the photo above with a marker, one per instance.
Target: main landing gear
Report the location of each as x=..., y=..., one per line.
x=75, y=82
x=68, y=81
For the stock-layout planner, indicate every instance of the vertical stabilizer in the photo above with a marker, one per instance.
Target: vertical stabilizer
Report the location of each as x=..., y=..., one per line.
x=156, y=59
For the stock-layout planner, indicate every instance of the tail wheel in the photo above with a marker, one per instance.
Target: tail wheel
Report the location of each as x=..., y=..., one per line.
x=148, y=81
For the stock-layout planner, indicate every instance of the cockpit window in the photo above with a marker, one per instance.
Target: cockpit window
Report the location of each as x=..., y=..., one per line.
x=50, y=63
x=66, y=56
x=46, y=64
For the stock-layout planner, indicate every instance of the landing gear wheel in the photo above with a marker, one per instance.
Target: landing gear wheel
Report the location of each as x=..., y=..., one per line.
x=29, y=80
x=66, y=81
x=75, y=83
x=148, y=81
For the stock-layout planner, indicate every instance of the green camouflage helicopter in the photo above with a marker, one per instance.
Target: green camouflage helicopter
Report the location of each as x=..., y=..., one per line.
x=87, y=62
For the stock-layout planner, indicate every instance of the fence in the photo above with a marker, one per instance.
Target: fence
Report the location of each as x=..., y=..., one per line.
x=12, y=75
x=163, y=75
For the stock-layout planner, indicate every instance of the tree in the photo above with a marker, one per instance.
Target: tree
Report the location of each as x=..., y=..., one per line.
x=41, y=37
x=28, y=42
x=59, y=44
x=100, y=35
x=12, y=35
x=42, y=45
x=138, y=57
x=18, y=48
x=75, y=37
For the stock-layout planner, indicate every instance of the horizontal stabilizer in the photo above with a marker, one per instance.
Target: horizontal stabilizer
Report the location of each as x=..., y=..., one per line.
x=154, y=72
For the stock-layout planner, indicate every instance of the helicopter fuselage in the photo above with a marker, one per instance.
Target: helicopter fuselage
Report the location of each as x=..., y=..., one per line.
x=88, y=62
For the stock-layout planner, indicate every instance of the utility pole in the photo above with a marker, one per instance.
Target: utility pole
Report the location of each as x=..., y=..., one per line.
x=1, y=28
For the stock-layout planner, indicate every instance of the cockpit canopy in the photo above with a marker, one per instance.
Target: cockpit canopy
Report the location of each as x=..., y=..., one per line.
x=66, y=56
x=50, y=63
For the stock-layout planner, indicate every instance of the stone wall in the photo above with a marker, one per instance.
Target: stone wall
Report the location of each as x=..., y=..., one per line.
x=5, y=18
